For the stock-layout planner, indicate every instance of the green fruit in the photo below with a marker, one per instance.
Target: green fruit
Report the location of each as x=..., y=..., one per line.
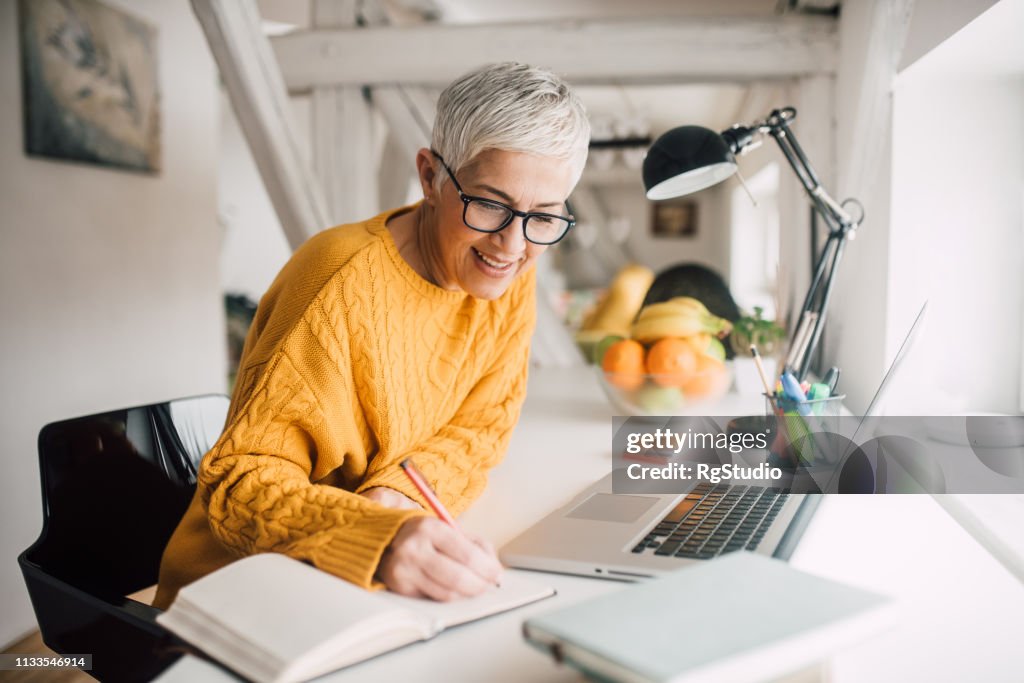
x=587, y=341
x=715, y=349
x=603, y=345
x=655, y=400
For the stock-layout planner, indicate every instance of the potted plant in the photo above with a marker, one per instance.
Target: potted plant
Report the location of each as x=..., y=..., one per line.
x=753, y=329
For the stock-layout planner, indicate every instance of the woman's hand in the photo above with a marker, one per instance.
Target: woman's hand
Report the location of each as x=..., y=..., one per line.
x=390, y=498
x=428, y=558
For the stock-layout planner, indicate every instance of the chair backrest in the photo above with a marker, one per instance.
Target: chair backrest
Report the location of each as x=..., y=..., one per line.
x=114, y=487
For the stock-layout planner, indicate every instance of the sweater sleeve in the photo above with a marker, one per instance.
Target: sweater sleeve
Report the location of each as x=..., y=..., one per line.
x=455, y=460
x=256, y=482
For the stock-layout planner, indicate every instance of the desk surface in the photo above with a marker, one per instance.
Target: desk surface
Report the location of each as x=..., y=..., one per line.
x=962, y=612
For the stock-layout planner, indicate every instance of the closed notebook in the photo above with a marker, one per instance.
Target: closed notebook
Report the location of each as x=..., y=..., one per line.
x=741, y=617
x=277, y=620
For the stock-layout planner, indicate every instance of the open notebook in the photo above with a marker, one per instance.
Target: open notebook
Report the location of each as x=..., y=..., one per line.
x=277, y=620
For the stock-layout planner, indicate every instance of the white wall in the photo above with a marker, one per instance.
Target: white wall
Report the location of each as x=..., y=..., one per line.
x=897, y=173
x=754, y=241
x=710, y=246
x=958, y=232
x=934, y=21
x=898, y=168
x=870, y=39
x=111, y=293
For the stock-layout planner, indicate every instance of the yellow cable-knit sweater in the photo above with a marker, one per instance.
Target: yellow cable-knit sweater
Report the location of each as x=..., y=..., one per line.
x=353, y=363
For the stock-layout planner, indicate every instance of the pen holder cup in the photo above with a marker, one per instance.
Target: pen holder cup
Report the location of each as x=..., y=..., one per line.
x=805, y=431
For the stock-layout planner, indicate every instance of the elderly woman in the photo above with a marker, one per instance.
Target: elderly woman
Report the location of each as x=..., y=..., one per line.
x=403, y=336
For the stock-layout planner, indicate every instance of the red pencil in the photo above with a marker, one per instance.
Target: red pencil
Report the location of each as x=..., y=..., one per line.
x=417, y=479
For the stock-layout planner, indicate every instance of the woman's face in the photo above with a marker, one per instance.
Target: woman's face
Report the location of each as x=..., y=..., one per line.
x=485, y=264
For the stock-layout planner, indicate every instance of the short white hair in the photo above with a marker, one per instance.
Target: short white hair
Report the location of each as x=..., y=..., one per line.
x=512, y=107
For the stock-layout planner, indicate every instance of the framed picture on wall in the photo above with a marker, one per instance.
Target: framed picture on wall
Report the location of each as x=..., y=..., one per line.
x=90, y=90
x=674, y=218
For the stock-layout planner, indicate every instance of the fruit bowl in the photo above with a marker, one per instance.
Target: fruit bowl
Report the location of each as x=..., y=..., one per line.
x=672, y=361
x=649, y=394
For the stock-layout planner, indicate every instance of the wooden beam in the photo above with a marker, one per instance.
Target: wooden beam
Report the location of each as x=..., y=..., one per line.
x=257, y=92
x=344, y=153
x=758, y=101
x=582, y=51
x=397, y=172
x=334, y=13
x=353, y=170
x=410, y=123
x=408, y=132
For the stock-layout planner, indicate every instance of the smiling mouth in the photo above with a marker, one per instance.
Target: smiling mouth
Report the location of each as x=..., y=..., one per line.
x=493, y=263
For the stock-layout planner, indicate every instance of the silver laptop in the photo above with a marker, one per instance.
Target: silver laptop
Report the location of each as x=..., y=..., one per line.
x=633, y=536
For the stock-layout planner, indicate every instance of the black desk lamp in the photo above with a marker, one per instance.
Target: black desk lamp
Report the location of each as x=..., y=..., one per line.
x=691, y=158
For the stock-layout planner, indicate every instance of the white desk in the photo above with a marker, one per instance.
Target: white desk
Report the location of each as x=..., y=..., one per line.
x=963, y=612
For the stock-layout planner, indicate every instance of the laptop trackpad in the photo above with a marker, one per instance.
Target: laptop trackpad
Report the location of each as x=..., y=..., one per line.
x=607, y=507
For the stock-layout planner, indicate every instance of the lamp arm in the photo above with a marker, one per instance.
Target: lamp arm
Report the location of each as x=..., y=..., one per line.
x=819, y=323
x=819, y=270
x=839, y=221
x=841, y=225
x=835, y=216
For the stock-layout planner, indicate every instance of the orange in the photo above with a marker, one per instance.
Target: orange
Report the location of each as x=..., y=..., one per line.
x=623, y=363
x=710, y=379
x=672, y=362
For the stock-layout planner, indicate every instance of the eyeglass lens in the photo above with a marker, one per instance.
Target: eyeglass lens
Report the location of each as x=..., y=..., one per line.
x=490, y=217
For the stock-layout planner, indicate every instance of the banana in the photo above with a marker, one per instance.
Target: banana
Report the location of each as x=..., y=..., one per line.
x=679, y=317
x=650, y=330
x=664, y=309
x=619, y=305
x=690, y=302
x=680, y=305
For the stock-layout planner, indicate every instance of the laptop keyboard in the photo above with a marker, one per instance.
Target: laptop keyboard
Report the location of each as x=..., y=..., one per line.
x=712, y=520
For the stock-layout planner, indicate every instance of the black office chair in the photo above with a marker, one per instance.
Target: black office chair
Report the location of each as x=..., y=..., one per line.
x=114, y=487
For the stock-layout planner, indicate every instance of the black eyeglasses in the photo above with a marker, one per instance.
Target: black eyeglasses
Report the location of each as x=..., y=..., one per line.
x=487, y=215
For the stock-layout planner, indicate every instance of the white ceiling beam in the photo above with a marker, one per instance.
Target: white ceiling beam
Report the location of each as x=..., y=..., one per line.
x=397, y=172
x=344, y=154
x=408, y=112
x=758, y=101
x=734, y=49
x=334, y=13
x=410, y=127
x=258, y=96
x=408, y=132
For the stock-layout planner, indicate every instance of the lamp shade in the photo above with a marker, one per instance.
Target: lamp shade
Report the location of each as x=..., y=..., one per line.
x=686, y=159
